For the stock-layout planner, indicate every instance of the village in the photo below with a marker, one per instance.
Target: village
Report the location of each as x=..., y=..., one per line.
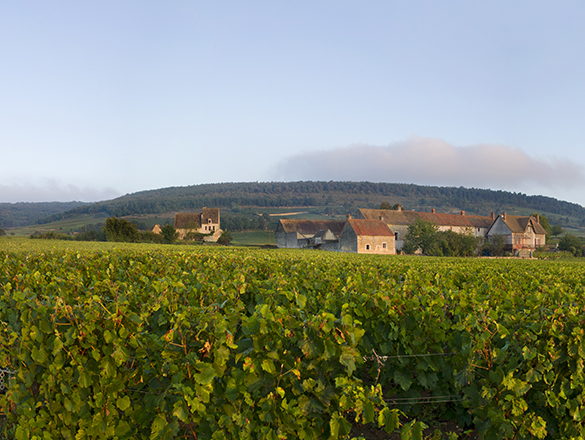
x=377, y=231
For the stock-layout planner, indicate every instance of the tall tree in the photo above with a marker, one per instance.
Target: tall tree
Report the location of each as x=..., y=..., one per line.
x=120, y=230
x=169, y=233
x=421, y=235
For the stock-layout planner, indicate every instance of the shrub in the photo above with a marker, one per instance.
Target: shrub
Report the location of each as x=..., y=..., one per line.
x=225, y=238
x=120, y=230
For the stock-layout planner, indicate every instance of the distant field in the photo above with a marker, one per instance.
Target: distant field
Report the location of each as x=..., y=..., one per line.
x=259, y=238
x=73, y=224
x=62, y=226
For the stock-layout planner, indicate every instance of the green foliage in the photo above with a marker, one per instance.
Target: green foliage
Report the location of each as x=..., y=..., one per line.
x=324, y=194
x=51, y=235
x=2, y=232
x=573, y=244
x=91, y=235
x=426, y=237
x=494, y=245
x=232, y=343
x=225, y=238
x=169, y=233
x=196, y=237
x=140, y=345
x=421, y=236
x=150, y=237
x=452, y=244
x=120, y=230
x=557, y=230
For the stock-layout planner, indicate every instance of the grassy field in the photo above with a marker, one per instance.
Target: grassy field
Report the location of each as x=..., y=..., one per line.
x=74, y=224
x=61, y=226
x=253, y=238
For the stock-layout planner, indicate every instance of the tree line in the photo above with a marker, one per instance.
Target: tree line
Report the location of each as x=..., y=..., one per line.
x=315, y=194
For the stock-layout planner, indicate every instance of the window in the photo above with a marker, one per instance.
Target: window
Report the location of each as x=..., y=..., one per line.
x=396, y=235
x=383, y=245
x=367, y=247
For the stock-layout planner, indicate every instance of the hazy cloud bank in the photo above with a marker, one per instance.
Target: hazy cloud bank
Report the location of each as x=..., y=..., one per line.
x=51, y=190
x=429, y=161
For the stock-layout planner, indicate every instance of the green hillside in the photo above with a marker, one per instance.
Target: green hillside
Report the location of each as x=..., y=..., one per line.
x=14, y=215
x=314, y=199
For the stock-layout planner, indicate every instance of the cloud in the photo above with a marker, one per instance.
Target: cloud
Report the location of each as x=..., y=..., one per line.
x=51, y=190
x=429, y=161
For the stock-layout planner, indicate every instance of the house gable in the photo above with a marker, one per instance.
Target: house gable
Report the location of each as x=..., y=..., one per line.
x=204, y=222
x=367, y=236
x=521, y=232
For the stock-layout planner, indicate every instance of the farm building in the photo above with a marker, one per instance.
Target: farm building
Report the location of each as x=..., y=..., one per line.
x=523, y=233
x=399, y=220
x=367, y=237
x=204, y=222
x=322, y=234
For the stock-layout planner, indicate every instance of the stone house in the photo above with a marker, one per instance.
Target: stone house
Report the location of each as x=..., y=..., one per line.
x=321, y=234
x=364, y=236
x=398, y=221
x=204, y=222
x=523, y=233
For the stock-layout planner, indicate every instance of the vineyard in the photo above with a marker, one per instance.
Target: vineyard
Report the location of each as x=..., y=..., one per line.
x=146, y=342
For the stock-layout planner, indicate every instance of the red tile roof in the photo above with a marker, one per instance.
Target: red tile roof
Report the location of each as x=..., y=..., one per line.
x=392, y=217
x=370, y=228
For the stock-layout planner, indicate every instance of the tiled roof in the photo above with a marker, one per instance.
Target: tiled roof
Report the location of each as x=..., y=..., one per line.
x=184, y=220
x=370, y=228
x=311, y=227
x=210, y=213
x=518, y=224
x=392, y=217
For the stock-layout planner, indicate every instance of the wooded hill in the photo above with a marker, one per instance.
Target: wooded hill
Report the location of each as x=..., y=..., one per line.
x=13, y=215
x=332, y=198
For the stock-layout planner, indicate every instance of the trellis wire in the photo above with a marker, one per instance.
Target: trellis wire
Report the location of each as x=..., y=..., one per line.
x=3, y=373
x=381, y=360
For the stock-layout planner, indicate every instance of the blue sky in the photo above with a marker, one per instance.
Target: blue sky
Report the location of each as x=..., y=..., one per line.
x=100, y=99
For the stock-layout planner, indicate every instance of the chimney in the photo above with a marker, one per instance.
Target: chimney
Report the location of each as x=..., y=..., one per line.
x=493, y=215
x=434, y=210
x=504, y=216
x=349, y=216
x=538, y=218
x=462, y=212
